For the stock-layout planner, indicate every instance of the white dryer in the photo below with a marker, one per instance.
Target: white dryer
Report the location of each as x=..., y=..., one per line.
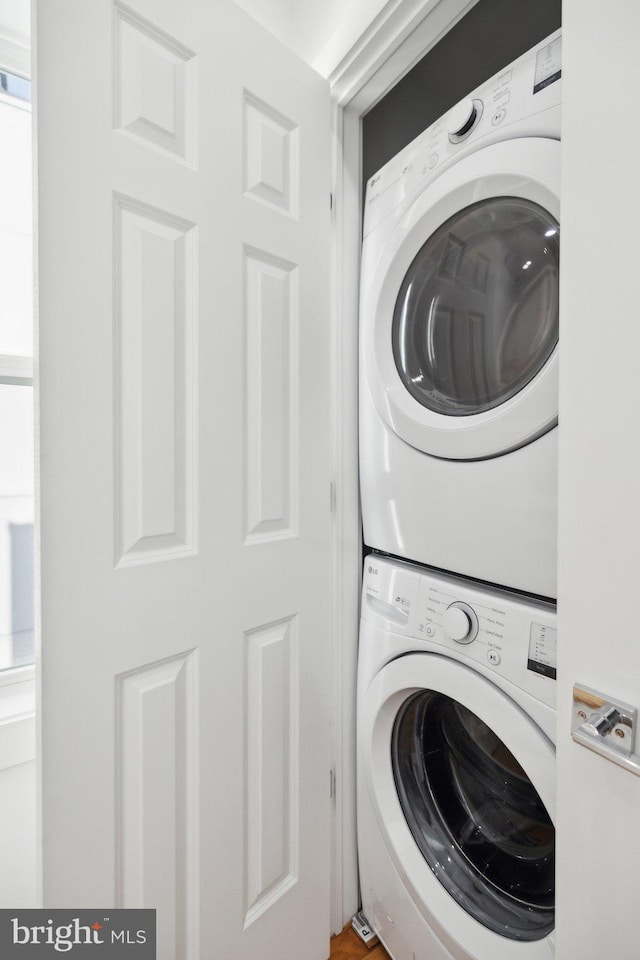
x=459, y=336
x=456, y=766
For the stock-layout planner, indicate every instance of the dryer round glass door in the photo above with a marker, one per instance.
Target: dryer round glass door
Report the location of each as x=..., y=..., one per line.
x=459, y=308
x=477, y=313
x=475, y=816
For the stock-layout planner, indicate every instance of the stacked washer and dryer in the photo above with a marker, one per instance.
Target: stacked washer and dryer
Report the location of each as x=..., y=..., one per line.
x=458, y=462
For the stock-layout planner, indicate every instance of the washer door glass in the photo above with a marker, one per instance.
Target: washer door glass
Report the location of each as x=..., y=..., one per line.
x=475, y=816
x=476, y=317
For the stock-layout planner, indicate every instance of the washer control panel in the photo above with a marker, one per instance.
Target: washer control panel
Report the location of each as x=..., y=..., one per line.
x=501, y=631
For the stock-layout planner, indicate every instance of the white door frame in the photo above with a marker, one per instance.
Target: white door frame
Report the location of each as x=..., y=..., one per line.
x=402, y=33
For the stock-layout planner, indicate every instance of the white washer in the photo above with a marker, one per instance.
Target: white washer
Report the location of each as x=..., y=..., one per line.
x=456, y=766
x=459, y=334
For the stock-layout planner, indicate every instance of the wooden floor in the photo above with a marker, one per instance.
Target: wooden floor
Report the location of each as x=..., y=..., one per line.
x=348, y=946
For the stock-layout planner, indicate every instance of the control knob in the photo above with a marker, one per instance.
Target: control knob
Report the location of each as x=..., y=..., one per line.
x=462, y=118
x=460, y=623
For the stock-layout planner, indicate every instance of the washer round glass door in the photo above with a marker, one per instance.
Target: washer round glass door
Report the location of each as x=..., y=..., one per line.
x=461, y=781
x=459, y=312
x=463, y=793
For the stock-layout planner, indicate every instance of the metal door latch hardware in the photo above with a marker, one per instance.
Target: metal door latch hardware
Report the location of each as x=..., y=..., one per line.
x=602, y=721
x=605, y=725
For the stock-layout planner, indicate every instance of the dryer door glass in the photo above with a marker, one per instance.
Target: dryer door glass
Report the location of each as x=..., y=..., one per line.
x=475, y=816
x=476, y=317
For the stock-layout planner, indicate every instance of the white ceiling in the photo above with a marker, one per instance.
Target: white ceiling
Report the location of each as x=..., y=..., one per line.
x=321, y=33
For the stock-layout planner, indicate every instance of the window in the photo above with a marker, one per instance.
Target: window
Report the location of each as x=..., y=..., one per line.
x=16, y=377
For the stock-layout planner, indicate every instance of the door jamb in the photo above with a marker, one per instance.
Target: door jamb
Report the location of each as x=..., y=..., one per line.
x=402, y=33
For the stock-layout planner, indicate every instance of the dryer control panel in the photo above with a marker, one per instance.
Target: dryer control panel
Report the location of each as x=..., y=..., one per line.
x=522, y=100
x=504, y=632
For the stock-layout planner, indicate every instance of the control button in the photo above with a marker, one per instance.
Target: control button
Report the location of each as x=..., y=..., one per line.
x=430, y=630
x=456, y=623
x=461, y=118
x=494, y=657
x=498, y=116
x=433, y=159
x=460, y=622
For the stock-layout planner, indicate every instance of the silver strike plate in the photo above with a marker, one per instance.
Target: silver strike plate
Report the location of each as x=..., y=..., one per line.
x=605, y=725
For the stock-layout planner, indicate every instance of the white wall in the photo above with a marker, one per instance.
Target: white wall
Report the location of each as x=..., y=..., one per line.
x=18, y=835
x=599, y=639
x=321, y=33
x=17, y=789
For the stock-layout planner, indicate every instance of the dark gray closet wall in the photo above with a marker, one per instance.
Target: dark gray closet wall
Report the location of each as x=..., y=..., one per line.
x=490, y=36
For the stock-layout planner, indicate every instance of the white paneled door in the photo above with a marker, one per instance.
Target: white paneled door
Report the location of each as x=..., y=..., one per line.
x=183, y=215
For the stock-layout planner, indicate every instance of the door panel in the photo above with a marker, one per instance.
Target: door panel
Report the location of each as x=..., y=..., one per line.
x=599, y=520
x=183, y=287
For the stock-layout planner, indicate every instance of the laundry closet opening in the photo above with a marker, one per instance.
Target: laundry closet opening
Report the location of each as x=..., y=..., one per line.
x=458, y=418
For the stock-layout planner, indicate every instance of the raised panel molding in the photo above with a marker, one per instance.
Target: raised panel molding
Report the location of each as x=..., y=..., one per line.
x=271, y=385
x=155, y=416
x=155, y=87
x=271, y=161
x=271, y=765
x=157, y=811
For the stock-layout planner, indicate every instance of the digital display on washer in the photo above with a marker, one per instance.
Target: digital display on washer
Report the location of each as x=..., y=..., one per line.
x=542, y=650
x=548, y=65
